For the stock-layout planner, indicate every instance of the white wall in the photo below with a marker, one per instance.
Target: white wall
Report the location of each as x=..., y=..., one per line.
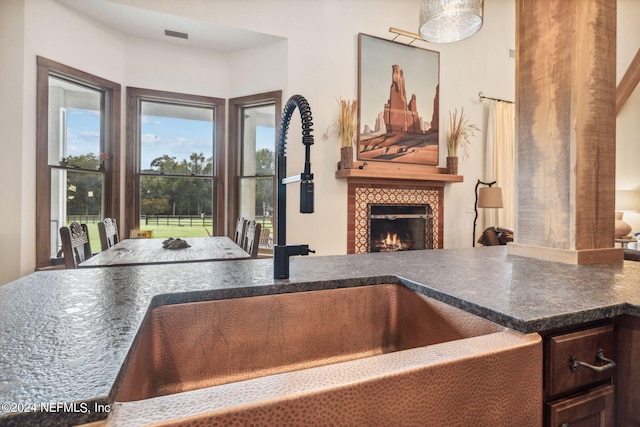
x=258, y=70
x=317, y=58
x=14, y=248
x=322, y=66
x=153, y=65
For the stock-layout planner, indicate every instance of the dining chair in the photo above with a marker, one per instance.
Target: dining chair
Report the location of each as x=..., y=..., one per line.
x=252, y=238
x=265, y=238
x=108, y=230
x=76, y=246
x=241, y=229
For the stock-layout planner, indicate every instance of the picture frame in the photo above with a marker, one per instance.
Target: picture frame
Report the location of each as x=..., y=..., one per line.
x=398, y=102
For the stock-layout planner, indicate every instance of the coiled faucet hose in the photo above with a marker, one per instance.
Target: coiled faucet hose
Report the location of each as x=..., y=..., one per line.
x=302, y=104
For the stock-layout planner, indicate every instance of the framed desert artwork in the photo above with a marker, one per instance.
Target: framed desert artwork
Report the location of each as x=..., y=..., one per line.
x=398, y=102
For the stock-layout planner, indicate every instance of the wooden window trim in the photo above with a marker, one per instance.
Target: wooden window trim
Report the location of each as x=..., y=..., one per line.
x=132, y=187
x=111, y=208
x=235, y=141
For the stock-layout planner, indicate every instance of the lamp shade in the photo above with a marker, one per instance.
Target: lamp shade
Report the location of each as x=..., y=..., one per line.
x=490, y=197
x=446, y=21
x=627, y=200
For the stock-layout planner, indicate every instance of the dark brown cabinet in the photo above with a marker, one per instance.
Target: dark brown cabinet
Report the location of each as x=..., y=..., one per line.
x=592, y=408
x=628, y=371
x=577, y=395
x=579, y=377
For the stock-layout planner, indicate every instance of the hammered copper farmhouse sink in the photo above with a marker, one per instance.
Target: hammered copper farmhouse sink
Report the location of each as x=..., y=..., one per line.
x=347, y=356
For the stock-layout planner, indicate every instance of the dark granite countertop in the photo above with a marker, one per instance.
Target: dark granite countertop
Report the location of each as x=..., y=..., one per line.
x=64, y=334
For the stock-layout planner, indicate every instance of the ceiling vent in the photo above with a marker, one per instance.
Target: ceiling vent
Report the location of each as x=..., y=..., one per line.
x=176, y=34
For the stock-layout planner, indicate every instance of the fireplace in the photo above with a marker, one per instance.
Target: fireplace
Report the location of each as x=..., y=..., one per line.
x=416, y=207
x=400, y=227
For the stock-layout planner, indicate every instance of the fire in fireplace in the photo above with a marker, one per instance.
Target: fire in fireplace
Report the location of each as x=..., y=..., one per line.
x=400, y=227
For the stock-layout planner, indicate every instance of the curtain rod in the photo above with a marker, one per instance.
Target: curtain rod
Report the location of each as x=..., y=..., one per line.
x=493, y=99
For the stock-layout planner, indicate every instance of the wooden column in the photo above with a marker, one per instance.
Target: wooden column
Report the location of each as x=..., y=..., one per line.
x=566, y=124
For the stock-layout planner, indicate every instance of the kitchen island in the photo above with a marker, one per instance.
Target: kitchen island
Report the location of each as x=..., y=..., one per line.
x=65, y=334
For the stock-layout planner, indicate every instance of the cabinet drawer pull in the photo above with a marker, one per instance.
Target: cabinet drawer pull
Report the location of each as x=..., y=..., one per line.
x=600, y=356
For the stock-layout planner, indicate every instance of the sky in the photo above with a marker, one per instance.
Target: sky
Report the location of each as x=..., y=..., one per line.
x=83, y=132
x=178, y=138
x=160, y=135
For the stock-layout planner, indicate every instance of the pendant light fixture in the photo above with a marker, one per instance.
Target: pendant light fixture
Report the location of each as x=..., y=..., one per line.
x=446, y=21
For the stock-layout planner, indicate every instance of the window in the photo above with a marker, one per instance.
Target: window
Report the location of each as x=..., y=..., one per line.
x=252, y=162
x=78, y=145
x=174, y=163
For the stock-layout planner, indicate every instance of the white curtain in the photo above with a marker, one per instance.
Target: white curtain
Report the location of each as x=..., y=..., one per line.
x=500, y=161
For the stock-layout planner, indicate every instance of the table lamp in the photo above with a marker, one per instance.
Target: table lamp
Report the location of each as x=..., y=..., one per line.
x=486, y=197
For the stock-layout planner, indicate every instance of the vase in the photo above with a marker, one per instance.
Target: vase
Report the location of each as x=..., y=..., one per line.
x=621, y=228
x=346, y=157
x=452, y=166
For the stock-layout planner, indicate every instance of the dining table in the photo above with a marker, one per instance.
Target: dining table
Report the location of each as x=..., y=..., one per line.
x=158, y=251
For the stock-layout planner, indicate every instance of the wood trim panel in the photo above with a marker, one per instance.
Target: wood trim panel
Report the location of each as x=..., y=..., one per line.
x=131, y=189
x=43, y=173
x=390, y=171
x=565, y=91
x=113, y=189
x=628, y=82
x=219, y=181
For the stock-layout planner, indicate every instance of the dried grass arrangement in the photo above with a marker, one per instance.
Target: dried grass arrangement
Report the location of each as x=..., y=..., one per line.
x=460, y=130
x=347, y=122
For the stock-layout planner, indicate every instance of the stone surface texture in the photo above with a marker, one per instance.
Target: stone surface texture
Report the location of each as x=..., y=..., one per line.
x=64, y=334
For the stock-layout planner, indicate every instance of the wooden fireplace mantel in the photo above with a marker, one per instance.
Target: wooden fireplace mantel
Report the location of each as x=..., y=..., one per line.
x=404, y=172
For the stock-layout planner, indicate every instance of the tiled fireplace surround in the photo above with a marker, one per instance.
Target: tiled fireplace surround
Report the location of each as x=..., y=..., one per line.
x=362, y=194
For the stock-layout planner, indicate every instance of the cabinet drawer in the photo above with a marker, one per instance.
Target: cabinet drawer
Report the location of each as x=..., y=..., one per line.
x=594, y=408
x=582, y=346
